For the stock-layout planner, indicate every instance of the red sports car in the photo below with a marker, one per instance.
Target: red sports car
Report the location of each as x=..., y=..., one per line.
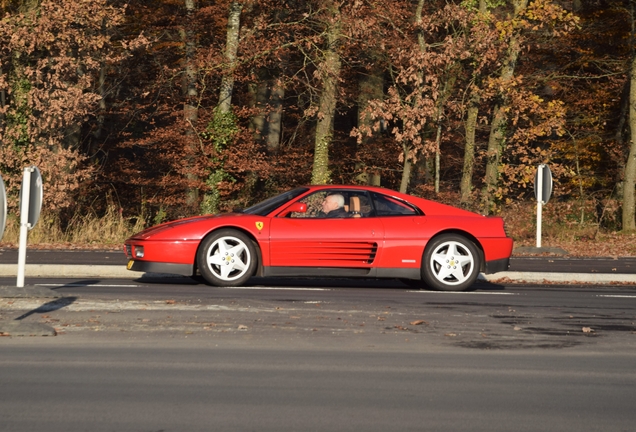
x=343, y=231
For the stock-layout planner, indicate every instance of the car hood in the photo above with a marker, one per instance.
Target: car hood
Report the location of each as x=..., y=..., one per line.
x=180, y=223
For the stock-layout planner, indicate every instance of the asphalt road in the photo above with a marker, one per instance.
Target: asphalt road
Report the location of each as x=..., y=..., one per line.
x=158, y=356
x=171, y=354
x=155, y=385
x=492, y=316
x=549, y=264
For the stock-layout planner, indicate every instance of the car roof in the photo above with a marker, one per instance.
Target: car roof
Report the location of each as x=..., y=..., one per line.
x=429, y=207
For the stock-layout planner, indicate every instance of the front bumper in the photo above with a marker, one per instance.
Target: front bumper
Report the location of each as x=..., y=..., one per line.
x=158, y=267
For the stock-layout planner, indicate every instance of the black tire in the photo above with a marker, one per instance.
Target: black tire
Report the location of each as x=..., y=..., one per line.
x=451, y=263
x=227, y=258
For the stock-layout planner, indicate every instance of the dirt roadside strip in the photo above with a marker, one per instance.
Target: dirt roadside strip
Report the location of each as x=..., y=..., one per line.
x=120, y=272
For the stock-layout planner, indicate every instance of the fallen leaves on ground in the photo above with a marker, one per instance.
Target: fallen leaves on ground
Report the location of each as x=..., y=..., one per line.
x=418, y=322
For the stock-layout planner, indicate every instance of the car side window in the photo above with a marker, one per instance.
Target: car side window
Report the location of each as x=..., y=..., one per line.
x=355, y=204
x=314, y=206
x=389, y=206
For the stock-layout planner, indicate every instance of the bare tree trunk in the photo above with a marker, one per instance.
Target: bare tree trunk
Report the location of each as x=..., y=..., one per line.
x=190, y=106
x=93, y=145
x=439, y=106
x=328, y=99
x=406, y=171
x=371, y=87
x=258, y=92
x=629, y=184
x=191, y=113
x=466, y=184
x=231, y=50
x=438, y=143
x=418, y=21
x=102, y=101
x=3, y=103
x=629, y=210
x=499, y=119
x=445, y=93
x=275, y=118
x=493, y=156
x=407, y=165
x=267, y=98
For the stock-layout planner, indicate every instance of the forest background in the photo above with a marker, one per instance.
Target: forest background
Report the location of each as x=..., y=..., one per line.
x=142, y=111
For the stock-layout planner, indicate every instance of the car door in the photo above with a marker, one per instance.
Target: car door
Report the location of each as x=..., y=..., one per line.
x=311, y=239
x=405, y=232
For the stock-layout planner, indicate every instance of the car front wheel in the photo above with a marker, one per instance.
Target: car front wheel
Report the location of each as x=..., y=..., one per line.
x=227, y=258
x=451, y=263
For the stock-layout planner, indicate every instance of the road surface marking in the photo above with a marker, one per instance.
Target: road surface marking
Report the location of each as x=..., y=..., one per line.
x=280, y=288
x=64, y=285
x=465, y=293
x=617, y=296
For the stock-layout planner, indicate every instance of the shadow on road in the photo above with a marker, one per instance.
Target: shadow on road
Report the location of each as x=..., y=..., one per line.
x=58, y=303
x=313, y=282
x=49, y=307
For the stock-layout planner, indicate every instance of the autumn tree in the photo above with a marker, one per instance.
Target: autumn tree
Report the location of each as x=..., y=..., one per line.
x=485, y=48
x=51, y=52
x=523, y=17
x=428, y=85
x=423, y=82
x=190, y=92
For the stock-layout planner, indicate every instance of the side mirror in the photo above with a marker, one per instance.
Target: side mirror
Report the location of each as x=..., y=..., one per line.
x=297, y=207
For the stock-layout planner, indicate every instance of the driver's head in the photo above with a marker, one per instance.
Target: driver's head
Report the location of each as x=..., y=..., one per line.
x=332, y=202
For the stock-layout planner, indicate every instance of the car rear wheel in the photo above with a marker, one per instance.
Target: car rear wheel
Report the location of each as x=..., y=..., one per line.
x=451, y=263
x=227, y=258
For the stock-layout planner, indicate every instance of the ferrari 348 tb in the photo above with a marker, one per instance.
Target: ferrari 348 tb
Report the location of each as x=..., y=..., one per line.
x=371, y=233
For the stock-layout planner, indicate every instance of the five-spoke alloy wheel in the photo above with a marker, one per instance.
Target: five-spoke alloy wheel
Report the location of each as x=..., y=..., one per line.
x=227, y=258
x=451, y=263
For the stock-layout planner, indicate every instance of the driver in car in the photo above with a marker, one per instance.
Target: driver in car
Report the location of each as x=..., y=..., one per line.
x=333, y=206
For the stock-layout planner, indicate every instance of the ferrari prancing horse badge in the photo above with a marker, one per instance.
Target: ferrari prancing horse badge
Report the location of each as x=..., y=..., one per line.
x=259, y=226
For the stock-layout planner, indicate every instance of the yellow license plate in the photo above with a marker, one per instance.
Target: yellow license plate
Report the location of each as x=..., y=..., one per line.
x=130, y=264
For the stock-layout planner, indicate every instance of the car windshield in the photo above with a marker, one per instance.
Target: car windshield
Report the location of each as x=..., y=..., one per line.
x=269, y=205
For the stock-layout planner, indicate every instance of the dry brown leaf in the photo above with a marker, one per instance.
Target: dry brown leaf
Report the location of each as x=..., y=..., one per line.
x=418, y=322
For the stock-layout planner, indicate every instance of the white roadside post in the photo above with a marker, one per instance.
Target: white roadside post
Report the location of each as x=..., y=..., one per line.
x=30, y=206
x=542, y=191
x=24, y=225
x=3, y=207
x=539, y=202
